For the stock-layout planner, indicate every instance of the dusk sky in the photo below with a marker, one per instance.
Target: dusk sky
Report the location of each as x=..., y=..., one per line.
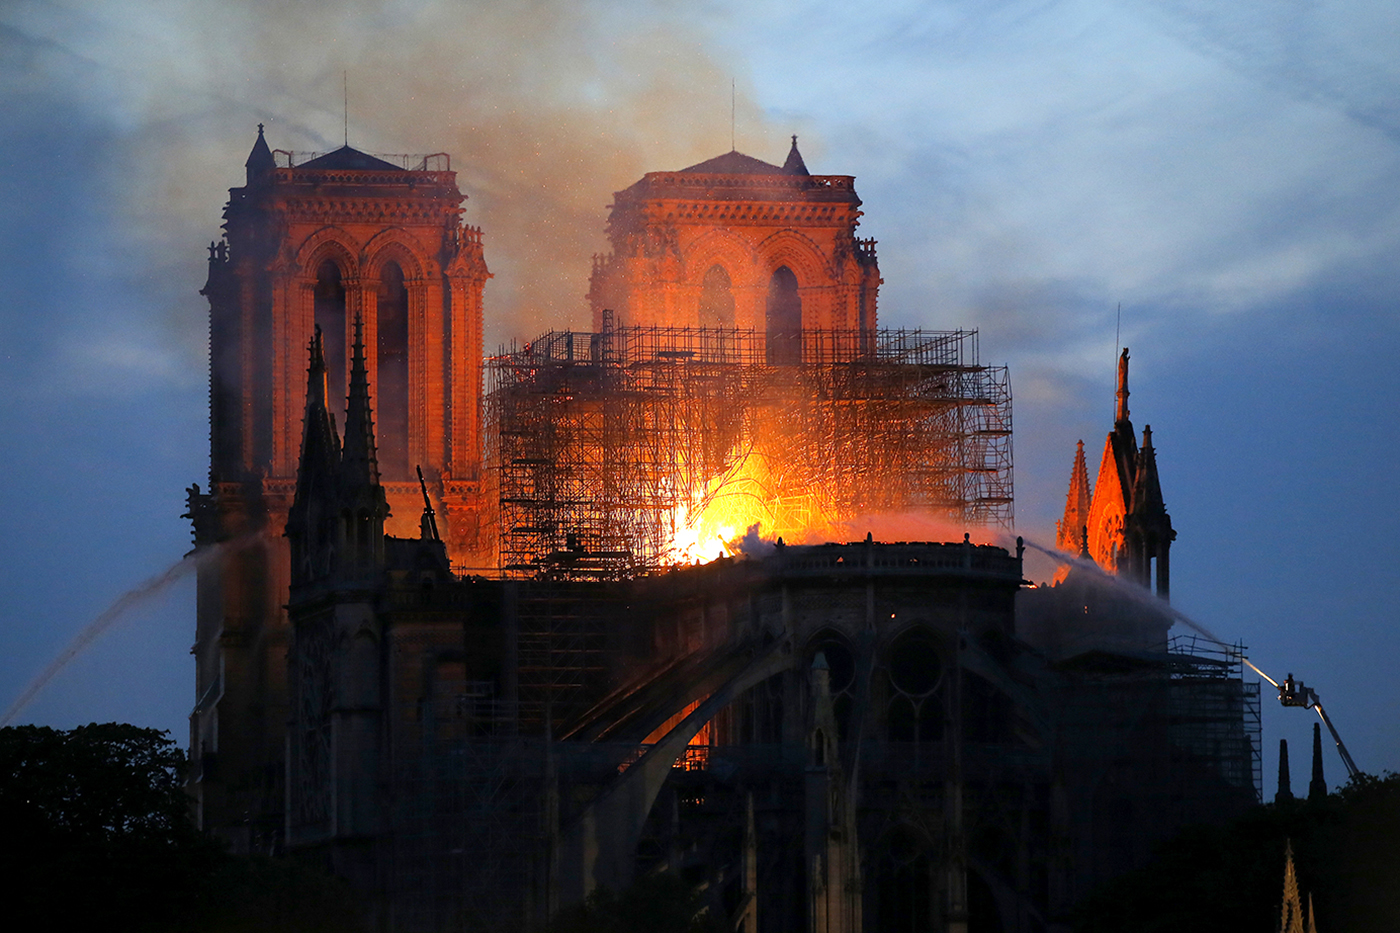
x=1227, y=172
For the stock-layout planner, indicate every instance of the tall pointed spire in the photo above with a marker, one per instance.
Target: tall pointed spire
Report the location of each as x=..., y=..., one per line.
x=1071, y=535
x=361, y=464
x=1285, y=779
x=1291, y=916
x=316, y=371
x=360, y=490
x=320, y=447
x=310, y=523
x=1317, y=787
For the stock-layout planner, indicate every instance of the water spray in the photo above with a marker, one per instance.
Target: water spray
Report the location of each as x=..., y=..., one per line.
x=1290, y=692
x=123, y=604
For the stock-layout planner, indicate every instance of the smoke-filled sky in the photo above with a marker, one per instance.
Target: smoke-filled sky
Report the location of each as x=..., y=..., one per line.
x=1228, y=173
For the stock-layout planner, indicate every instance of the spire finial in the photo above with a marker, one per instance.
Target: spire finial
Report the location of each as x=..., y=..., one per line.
x=359, y=419
x=260, y=129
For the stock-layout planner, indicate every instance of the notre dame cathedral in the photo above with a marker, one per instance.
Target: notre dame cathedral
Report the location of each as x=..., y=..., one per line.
x=435, y=654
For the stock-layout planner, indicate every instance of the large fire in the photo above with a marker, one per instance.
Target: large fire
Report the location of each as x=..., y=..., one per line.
x=759, y=498
x=756, y=498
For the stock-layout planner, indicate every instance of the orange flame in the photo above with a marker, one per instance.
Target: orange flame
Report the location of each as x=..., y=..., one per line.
x=754, y=497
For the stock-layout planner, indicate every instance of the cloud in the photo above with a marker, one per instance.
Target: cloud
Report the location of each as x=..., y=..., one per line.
x=546, y=107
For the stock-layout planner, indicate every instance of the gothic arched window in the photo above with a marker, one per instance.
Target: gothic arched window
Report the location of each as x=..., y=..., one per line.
x=391, y=394
x=330, y=317
x=840, y=661
x=784, y=318
x=716, y=299
x=915, y=710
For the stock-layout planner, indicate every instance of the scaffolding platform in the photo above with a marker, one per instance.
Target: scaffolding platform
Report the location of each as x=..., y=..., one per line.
x=600, y=445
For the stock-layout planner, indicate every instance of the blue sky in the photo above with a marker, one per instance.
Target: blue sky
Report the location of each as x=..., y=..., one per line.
x=1228, y=173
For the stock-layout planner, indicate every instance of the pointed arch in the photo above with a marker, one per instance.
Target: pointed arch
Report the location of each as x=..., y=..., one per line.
x=904, y=881
x=914, y=672
x=783, y=318
x=719, y=245
x=799, y=253
x=395, y=244
x=329, y=242
x=396, y=268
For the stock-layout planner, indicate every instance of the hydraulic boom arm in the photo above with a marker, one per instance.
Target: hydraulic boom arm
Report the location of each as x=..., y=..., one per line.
x=1295, y=693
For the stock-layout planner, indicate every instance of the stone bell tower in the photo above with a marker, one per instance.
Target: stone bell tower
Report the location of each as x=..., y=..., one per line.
x=312, y=244
x=735, y=242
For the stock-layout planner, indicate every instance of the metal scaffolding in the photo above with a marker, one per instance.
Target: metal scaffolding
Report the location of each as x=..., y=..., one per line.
x=598, y=443
x=1215, y=716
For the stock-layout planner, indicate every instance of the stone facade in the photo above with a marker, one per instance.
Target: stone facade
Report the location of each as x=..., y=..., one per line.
x=737, y=242
x=324, y=243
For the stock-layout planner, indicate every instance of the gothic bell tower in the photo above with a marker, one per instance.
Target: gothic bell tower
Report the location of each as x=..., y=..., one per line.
x=735, y=242
x=320, y=243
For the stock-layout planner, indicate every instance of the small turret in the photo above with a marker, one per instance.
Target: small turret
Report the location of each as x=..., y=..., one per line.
x=260, y=161
x=794, y=164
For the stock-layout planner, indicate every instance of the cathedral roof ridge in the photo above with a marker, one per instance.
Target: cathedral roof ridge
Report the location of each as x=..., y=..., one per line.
x=733, y=162
x=348, y=157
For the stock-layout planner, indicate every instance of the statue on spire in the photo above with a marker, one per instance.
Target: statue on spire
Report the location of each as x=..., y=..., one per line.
x=1122, y=412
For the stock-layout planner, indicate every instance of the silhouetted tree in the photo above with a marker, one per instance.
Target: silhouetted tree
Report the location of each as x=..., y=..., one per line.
x=1230, y=878
x=97, y=828
x=98, y=835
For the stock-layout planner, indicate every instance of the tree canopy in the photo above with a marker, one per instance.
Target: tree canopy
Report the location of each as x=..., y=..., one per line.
x=99, y=835
x=1230, y=878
